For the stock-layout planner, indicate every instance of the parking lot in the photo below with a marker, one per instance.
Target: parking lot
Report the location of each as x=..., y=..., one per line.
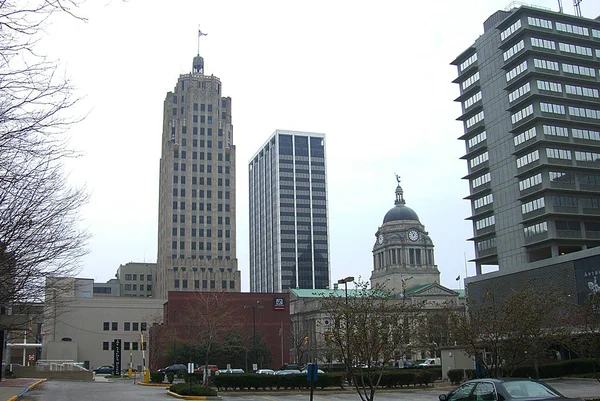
x=126, y=390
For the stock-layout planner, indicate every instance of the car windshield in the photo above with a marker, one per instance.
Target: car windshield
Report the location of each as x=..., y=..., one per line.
x=525, y=389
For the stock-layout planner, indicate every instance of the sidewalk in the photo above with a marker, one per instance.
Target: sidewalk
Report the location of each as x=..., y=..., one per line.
x=12, y=389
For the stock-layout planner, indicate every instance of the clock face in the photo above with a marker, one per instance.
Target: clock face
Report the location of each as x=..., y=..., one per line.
x=413, y=235
x=380, y=239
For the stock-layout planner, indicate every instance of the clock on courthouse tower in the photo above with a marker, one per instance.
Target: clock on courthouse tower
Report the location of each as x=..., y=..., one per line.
x=403, y=249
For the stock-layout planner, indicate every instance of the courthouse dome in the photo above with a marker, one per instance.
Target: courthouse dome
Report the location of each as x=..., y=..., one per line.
x=400, y=212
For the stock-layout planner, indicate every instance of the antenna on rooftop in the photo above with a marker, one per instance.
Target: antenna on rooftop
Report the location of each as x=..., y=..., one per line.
x=577, y=6
x=560, y=9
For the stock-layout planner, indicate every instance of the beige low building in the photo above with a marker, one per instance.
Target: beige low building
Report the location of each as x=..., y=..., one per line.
x=82, y=328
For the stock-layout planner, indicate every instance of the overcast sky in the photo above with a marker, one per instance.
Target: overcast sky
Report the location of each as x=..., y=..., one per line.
x=373, y=76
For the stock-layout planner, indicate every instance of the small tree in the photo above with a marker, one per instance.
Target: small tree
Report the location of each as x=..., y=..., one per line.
x=207, y=318
x=370, y=326
x=503, y=331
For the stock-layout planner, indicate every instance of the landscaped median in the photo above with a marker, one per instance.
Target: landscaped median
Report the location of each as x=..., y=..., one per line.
x=16, y=397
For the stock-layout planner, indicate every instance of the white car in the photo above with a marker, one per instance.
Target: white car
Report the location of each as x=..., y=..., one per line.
x=265, y=371
x=288, y=372
x=319, y=371
x=429, y=362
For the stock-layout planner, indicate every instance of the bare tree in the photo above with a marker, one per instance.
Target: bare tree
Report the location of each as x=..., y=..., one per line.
x=206, y=319
x=370, y=327
x=39, y=234
x=299, y=339
x=503, y=331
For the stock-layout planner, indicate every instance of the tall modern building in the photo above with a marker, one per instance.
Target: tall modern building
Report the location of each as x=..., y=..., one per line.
x=529, y=91
x=196, y=216
x=289, y=235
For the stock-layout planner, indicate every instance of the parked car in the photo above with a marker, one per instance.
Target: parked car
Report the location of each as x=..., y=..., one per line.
x=265, y=371
x=319, y=371
x=104, y=369
x=504, y=389
x=212, y=368
x=430, y=362
x=288, y=372
x=229, y=371
x=178, y=367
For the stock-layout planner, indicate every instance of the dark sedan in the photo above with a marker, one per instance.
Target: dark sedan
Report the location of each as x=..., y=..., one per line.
x=503, y=389
x=178, y=367
x=105, y=369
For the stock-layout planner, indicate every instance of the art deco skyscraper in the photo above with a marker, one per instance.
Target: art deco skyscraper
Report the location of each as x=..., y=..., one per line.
x=196, y=217
x=289, y=235
x=529, y=90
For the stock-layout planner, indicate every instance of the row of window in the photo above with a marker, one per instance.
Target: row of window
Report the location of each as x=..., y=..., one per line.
x=485, y=222
x=485, y=200
x=134, y=287
x=479, y=159
x=517, y=93
x=470, y=81
x=127, y=326
x=205, y=284
x=530, y=182
x=134, y=277
x=475, y=119
x=468, y=62
x=200, y=246
x=514, y=50
x=477, y=139
x=127, y=346
x=182, y=167
x=201, y=257
x=516, y=71
x=200, y=231
x=525, y=136
x=183, y=155
x=562, y=177
x=486, y=244
x=521, y=114
x=510, y=30
x=482, y=179
x=533, y=205
x=472, y=100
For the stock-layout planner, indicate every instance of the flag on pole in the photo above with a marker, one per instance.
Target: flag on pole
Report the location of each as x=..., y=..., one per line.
x=280, y=329
x=200, y=33
x=458, y=278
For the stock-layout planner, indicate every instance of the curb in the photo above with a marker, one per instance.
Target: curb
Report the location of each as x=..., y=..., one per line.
x=194, y=397
x=16, y=397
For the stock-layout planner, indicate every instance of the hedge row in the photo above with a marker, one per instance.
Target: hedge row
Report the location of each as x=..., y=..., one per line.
x=255, y=381
x=196, y=389
x=548, y=370
x=559, y=369
x=407, y=378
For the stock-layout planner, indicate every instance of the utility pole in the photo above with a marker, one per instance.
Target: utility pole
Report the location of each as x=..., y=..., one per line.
x=254, y=307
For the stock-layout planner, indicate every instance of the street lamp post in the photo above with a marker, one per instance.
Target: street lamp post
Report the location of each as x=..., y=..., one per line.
x=345, y=281
x=254, y=307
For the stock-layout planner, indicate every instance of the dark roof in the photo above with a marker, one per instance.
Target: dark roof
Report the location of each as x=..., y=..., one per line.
x=400, y=212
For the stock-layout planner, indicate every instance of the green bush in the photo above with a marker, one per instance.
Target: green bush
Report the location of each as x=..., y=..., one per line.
x=471, y=374
x=456, y=375
x=255, y=381
x=180, y=374
x=559, y=369
x=196, y=389
x=195, y=377
x=170, y=377
x=157, y=377
x=424, y=377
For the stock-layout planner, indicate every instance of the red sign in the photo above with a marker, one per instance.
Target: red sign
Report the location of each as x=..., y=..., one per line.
x=31, y=357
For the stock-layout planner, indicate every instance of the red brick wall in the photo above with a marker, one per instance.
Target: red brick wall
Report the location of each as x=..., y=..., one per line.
x=239, y=307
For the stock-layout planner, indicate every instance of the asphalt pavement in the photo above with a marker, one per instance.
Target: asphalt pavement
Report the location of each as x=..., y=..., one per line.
x=11, y=389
